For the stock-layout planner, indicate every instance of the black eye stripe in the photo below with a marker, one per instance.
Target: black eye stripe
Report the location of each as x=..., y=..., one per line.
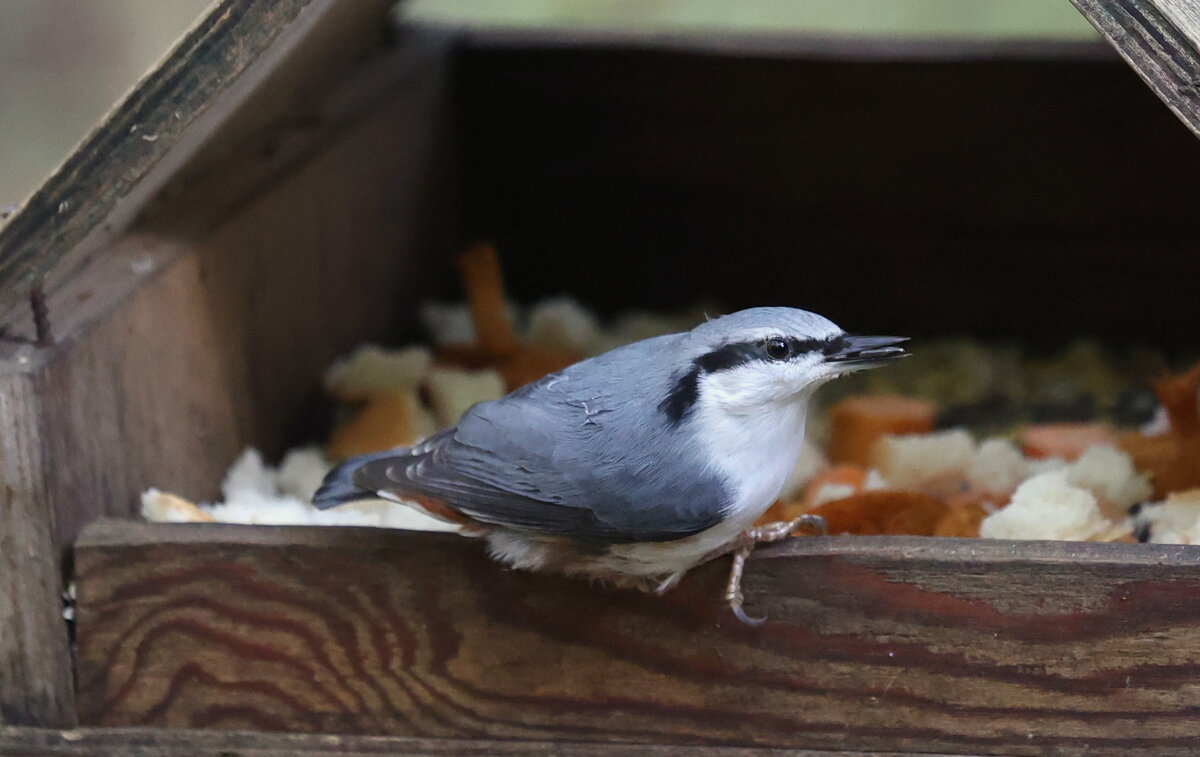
x=685, y=388
x=729, y=356
x=740, y=353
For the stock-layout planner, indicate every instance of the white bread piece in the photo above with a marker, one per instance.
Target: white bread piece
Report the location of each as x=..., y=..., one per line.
x=254, y=508
x=1035, y=466
x=1047, y=506
x=248, y=473
x=875, y=481
x=831, y=491
x=300, y=473
x=253, y=497
x=632, y=327
x=371, y=369
x=1159, y=425
x=561, y=324
x=934, y=464
x=161, y=507
x=450, y=325
x=997, y=467
x=1109, y=473
x=812, y=461
x=1176, y=520
x=452, y=391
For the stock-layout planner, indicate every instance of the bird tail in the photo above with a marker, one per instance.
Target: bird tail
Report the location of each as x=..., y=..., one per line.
x=338, y=488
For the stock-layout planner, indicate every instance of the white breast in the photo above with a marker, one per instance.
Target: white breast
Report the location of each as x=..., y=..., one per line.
x=755, y=453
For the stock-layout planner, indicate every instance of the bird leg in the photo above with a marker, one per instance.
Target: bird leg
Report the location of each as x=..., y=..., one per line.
x=744, y=544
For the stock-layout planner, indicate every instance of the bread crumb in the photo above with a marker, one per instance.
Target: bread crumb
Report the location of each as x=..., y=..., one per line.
x=875, y=481
x=301, y=472
x=450, y=324
x=997, y=467
x=453, y=391
x=1109, y=474
x=248, y=474
x=1173, y=521
x=561, y=324
x=386, y=420
x=1047, y=506
x=161, y=507
x=934, y=464
x=256, y=494
x=831, y=493
x=637, y=325
x=371, y=370
x=1037, y=466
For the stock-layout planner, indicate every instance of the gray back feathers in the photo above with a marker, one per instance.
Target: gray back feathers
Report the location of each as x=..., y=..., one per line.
x=589, y=452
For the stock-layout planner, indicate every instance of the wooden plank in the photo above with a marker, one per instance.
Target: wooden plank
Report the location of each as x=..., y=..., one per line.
x=163, y=742
x=36, y=686
x=874, y=643
x=880, y=193
x=1160, y=39
x=269, y=267
x=215, y=71
x=1185, y=17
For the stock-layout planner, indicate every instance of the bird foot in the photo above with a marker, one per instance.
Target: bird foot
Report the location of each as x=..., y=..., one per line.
x=744, y=544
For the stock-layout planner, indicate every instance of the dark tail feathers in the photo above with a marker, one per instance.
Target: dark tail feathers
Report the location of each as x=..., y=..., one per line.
x=338, y=487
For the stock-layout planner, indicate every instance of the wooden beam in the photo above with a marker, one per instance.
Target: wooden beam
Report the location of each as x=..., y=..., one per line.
x=1160, y=39
x=164, y=742
x=347, y=216
x=873, y=643
x=36, y=686
x=169, y=116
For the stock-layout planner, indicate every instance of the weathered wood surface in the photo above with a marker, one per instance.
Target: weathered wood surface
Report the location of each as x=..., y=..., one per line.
x=175, y=349
x=163, y=742
x=1160, y=39
x=179, y=346
x=880, y=193
x=874, y=643
x=210, y=75
x=36, y=686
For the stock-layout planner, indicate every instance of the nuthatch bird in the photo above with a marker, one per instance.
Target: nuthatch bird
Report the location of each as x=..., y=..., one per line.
x=636, y=465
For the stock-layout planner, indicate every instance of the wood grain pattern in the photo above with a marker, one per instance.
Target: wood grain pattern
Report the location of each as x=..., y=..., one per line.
x=177, y=349
x=1184, y=16
x=1160, y=39
x=36, y=686
x=874, y=643
x=166, y=742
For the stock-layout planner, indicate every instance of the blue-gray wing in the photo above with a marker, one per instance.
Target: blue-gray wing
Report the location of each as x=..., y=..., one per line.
x=552, y=468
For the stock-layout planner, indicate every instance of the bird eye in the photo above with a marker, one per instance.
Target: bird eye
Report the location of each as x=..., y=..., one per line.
x=778, y=349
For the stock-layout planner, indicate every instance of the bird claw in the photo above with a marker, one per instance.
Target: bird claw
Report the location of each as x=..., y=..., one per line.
x=741, y=615
x=815, y=524
x=771, y=532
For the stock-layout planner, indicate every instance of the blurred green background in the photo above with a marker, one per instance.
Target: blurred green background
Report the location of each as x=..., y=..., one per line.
x=64, y=63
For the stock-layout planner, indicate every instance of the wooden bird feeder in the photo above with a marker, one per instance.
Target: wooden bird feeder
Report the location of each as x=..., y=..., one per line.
x=296, y=176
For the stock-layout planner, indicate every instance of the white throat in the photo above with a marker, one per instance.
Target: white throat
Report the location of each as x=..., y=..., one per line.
x=754, y=449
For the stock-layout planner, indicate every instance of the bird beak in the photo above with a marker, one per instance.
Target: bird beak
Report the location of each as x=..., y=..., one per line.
x=856, y=352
